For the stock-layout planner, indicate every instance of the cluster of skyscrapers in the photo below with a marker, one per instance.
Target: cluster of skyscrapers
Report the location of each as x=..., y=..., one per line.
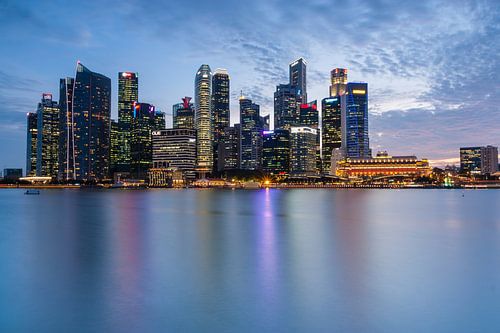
x=75, y=139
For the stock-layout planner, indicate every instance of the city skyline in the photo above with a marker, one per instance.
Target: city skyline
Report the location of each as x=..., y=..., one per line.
x=426, y=108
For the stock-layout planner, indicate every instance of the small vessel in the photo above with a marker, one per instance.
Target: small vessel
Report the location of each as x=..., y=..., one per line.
x=32, y=192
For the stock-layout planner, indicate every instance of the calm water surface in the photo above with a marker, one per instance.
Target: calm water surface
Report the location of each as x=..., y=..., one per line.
x=250, y=261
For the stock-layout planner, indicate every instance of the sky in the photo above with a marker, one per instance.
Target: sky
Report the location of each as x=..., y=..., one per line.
x=432, y=67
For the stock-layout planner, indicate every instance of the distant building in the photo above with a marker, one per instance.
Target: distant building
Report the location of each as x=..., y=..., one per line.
x=114, y=154
x=308, y=114
x=92, y=124
x=250, y=134
x=265, y=122
x=303, y=151
x=383, y=165
x=12, y=174
x=276, y=152
x=32, y=129
x=338, y=78
x=183, y=114
x=355, y=139
x=161, y=175
x=177, y=147
x=229, y=149
x=331, y=128
x=203, y=120
x=298, y=74
x=47, y=137
x=141, y=150
x=159, y=120
x=479, y=160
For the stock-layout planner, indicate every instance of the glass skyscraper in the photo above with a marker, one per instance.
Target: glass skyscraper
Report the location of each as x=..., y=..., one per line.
x=331, y=128
x=66, y=127
x=128, y=93
x=355, y=140
x=141, y=154
x=92, y=117
x=297, y=72
x=303, y=151
x=203, y=119
x=220, y=109
x=47, y=137
x=276, y=152
x=32, y=129
x=250, y=134
x=183, y=114
x=229, y=149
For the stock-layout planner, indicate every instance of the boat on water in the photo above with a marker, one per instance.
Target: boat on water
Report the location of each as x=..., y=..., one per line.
x=32, y=192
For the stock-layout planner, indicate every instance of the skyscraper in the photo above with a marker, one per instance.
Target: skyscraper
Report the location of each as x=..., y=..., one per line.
x=250, y=134
x=32, y=129
x=159, y=121
x=92, y=123
x=478, y=160
x=66, y=163
x=276, y=152
x=47, y=137
x=338, y=78
x=220, y=109
x=355, y=140
x=229, y=149
x=331, y=128
x=308, y=114
x=183, y=114
x=115, y=147
x=128, y=93
x=288, y=97
x=286, y=106
x=303, y=151
x=297, y=72
x=203, y=119
x=141, y=153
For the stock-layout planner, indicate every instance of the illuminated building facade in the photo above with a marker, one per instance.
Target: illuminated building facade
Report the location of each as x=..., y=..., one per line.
x=128, y=93
x=220, y=109
x=229, y=149
x=66, y=169
x=355, y=140
x=383, y=165
x=303, y=151
x=276, y=152
x=92, y=124
x=141, y=154
x=298, y=78
x=308, y=114
x=331, y=128
x=183, y=114
x=338, y=78
x=250, y=134
x=203, y=119
x=177, y=147
x=478, y=160
x=32, y=130
x=159, y=120
x=114, y=151
x=47, y=151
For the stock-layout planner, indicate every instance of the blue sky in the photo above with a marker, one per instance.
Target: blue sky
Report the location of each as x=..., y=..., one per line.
x=432, y=66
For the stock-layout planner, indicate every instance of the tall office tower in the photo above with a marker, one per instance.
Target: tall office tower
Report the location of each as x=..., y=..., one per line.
x=47, y=137
x=92, y=124
x=276, y=152
x=114, y=153
x=355, y=140
x=32, y=129
x=229, y=149
x=220, y=110
x=478, y=160
x=66, y=149
x=308, y=114
x=141, y=153
x=159, y=120
x=303, y=151
x=203, y=120
x=178, y=148
x=338, y=77
x=286, y=106
x=297, y=72
x=128, y=93
x=183, y=114
x=489, y=159
x=331, y=129
x=250, y=134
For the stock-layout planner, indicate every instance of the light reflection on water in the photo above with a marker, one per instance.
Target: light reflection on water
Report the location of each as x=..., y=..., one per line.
x=267, y=260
